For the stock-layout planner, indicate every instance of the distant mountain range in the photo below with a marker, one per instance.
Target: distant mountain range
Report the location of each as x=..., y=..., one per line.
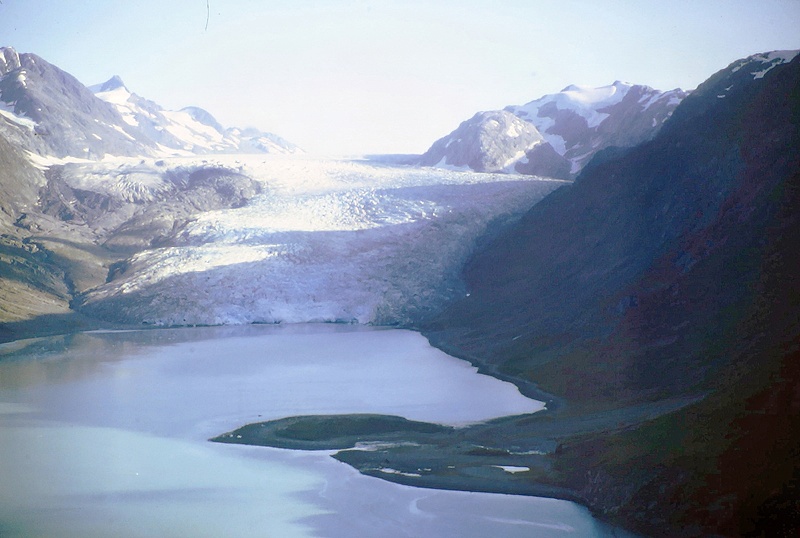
x=190, y=129
x=49, y=112
x=558, y=134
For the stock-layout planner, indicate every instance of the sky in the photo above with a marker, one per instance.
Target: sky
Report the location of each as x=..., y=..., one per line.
x=347, y=77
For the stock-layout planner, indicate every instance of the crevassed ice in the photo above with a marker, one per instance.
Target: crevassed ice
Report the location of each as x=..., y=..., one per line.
x=327, y=241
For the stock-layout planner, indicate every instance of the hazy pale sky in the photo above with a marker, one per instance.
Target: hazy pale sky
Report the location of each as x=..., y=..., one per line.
x=372, y=76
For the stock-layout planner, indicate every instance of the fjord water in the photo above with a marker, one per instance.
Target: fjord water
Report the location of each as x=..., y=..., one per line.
x=106, y=434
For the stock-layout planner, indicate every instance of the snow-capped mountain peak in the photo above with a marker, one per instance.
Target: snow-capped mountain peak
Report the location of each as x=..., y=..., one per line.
x=190, y=130
x=203, y=116
x=49, y=113
x=116, y=94
x=578, y=121
x=585, y=101
x=589, y=98
x=9, y=60
x=727, y=83
x=575, y=123
x=113, y=83
x=769, y=60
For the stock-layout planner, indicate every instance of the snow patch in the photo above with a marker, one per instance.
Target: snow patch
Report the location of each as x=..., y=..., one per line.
x=118, y=96
x=43, y=162
x=389, y=470
x=444, y=165
x=7, y=111
x=648, y=101
x=513, y=131
x=184, y=127
x=122, y=131
x=512, y=469
x=772, y=59
x=582, y=100
x=520, y=157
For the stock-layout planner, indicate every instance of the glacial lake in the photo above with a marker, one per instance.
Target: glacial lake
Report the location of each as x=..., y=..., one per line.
x=105, y=434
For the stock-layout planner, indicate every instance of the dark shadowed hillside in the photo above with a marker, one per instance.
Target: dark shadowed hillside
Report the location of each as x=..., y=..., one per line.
x=667, y=269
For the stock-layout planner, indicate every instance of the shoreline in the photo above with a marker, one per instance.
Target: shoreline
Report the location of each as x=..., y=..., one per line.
x=526, y=388
x=472, y=458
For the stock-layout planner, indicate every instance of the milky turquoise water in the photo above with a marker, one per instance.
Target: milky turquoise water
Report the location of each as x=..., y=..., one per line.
x=105, y=434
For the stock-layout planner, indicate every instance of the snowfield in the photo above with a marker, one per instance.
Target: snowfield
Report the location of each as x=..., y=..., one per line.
x=327, y=240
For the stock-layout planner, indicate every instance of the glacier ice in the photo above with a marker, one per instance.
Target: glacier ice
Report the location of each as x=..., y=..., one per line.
x=328, y=240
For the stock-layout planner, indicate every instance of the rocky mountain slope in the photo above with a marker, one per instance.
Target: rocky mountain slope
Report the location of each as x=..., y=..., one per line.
x=190, y=130
x=666, y=270
x=47, y=111
x=580, y=121
x=30, y=283
x=574, y=124
x=497, y=141
x=64, y=226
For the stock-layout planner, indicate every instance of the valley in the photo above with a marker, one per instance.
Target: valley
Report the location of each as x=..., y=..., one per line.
x=248, y=239
x=643, y=303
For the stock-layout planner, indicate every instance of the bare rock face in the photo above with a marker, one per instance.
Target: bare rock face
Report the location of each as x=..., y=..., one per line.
x=19, y=185
x=495, y=142
x=543, y=160
x=193, y=192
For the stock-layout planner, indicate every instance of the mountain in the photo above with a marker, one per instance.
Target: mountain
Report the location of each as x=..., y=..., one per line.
x=575, y=124
x=497, y=141
x=47, y=111
x=580, y=121
x=190, y=130
x=63, y=226
x=31, y=284
x=667, y=270
x=19, y=184
x=652, y=302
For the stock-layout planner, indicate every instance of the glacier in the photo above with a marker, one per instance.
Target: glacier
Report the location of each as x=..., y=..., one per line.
x=325, y=241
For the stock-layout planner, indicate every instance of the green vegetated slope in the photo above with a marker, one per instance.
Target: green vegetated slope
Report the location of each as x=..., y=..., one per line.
x=669, y=269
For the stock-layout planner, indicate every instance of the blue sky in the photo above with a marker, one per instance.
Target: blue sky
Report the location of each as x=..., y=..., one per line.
x=361, y=76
